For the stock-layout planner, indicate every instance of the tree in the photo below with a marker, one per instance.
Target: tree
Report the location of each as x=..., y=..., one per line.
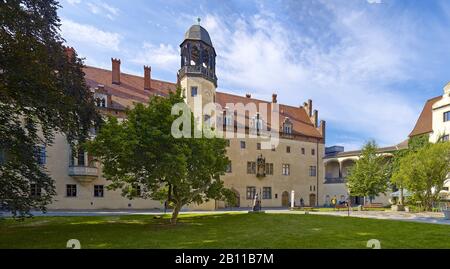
x=42, y=91
x=398, y=179
x=370, y=174
x=141, y=153
x=423, y=172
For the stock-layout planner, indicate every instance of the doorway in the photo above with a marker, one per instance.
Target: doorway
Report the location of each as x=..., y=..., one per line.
x=285, y=199
x=312, y=200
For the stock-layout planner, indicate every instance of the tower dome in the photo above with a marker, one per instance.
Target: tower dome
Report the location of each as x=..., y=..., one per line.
x=198, y=57
x=196, y=32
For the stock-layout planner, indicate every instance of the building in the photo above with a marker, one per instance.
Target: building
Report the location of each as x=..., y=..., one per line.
x=295, y=164
x=337, y=164
x=433, y=121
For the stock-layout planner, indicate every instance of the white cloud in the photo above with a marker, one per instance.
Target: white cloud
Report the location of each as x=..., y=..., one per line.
x=374, y=1
x=163, y=56
x=89, y=35
x=73, y=2
x=347, y=80
x=103, y=9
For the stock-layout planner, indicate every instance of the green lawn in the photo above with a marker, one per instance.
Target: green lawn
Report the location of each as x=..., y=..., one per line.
x=221, y=231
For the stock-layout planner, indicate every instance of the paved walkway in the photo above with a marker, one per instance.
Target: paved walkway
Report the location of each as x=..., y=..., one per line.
x=425, y=217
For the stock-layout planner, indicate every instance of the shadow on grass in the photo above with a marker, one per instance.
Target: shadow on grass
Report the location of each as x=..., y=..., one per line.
x=223, y=230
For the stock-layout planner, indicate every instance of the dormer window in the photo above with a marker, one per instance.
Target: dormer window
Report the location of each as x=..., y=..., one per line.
x=257, y=123
x=287, y=126
x=100, y=99
x=227, y=118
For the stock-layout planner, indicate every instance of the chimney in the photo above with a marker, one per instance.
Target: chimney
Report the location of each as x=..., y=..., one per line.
x=248, y=95
x=316, y=117
x=310, y=107
x=274, y=98
x=70, y=52
x=147, y=77
x=115, y=71
x=322, y=129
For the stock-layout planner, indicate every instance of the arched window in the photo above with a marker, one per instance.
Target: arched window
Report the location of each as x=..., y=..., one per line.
x=205, y=60
x=195, y=56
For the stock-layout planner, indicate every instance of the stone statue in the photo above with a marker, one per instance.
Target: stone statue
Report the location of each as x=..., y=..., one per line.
x=261, y=166
x=256, y=203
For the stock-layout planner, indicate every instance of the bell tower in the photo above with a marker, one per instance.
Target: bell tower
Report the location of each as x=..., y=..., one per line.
x=197, y=74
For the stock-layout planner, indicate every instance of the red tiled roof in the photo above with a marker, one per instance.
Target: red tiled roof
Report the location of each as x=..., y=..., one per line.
x=424, y=122
x=302, y=125
x=131, y=90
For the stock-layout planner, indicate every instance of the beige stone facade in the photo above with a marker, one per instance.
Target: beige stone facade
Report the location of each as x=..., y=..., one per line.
x=295, y=164
x=307, y=185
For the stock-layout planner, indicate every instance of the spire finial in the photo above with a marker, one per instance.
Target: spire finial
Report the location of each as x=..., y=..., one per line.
x=199, y=20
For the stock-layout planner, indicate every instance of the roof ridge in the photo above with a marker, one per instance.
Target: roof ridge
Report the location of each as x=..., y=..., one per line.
x=132, y=75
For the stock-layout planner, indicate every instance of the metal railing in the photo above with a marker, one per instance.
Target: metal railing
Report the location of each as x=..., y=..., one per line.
x=83, y=171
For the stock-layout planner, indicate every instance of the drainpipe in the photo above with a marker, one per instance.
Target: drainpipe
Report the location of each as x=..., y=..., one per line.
x=317, y=173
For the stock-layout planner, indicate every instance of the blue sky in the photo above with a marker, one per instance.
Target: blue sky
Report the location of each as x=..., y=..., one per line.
x=368, y=65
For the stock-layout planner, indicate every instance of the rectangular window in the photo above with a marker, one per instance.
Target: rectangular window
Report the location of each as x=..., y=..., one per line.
x=288, y=149
x=267, y=193
x=269, y=168
x=194, y=91
x=251, y=192
x=303, y=151
x=242, y=144
x=98, y=191
x=273, y=148
x=228, y=120
x=251, y=167
x=447, y=116
x=80, y=158
x=228, y=167
x=286, y=170
x=35, y=190
x=313, y=152
x=312, y=171
x=258, y=146
x=40, y=155
x=71, y=190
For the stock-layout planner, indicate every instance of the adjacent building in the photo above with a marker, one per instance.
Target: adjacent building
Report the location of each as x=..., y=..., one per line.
x=433, y=121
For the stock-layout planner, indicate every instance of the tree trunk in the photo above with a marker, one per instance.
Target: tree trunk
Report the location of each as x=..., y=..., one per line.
x=175, y=212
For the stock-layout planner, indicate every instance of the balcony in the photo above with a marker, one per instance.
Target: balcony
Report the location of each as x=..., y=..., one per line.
x=84, y=174
x=200, y=71
x=334, y=180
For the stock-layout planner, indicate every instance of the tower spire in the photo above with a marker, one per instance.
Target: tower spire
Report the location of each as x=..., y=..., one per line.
x=199, y=20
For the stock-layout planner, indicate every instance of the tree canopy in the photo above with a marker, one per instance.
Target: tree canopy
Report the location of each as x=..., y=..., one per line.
x=370, y=175
x=42, y=92
x=424, y=171
x=141, y=153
